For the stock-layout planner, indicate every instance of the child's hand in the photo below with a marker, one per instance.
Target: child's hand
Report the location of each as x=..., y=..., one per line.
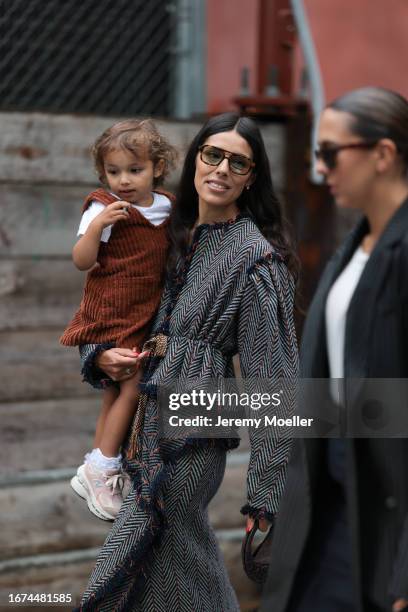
x=117, y=211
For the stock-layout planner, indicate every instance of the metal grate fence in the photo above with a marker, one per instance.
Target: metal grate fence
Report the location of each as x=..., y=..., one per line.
x=87, y=56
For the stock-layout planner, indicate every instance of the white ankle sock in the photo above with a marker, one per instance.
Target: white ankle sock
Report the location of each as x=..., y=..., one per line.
x=98, y=459
x=87, y=457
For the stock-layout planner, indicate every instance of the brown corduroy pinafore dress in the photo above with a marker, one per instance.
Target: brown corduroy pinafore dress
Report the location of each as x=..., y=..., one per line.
x=123, y=291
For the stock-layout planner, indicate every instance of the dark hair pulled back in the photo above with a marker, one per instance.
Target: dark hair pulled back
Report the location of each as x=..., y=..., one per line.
x=377, y=113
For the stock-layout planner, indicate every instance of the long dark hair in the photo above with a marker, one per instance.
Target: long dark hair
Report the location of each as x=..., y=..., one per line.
x=377, y=113
x=259, y=202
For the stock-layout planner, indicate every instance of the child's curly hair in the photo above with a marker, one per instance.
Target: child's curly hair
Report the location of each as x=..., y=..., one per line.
x=137, y=136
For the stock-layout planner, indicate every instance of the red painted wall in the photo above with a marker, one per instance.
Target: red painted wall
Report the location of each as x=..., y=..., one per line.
x=360, y=42
x=232, y=32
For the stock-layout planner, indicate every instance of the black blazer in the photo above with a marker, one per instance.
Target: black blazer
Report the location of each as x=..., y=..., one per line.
x=376, y=346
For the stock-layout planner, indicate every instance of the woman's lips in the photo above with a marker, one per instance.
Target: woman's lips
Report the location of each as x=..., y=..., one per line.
x=217, y=186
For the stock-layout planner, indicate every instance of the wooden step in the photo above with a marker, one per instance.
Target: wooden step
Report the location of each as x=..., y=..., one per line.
x=53, y=433
x=38, y=293
x=56, y=433
x=34, y=366
x=40, y=220
x=45, y=147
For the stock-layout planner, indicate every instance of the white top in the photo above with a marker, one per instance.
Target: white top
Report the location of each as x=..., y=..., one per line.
x=337, y=304
x=156, y=213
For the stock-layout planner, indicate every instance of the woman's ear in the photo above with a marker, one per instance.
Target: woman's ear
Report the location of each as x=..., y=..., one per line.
x=387, y=154
x=158, y=168
x=250, y=181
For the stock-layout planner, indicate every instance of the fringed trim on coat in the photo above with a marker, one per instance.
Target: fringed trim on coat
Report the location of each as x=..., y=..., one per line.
x=264, y=259
x=90, y=371
x=223, y=443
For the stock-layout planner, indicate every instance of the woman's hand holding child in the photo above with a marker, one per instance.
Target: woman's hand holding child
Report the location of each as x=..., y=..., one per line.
x=120, y=363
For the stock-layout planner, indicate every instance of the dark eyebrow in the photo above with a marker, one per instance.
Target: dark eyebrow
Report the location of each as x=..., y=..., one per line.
x=327, y=143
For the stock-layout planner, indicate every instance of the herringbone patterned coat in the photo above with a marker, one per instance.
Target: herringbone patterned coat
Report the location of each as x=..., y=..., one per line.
x=233, y=294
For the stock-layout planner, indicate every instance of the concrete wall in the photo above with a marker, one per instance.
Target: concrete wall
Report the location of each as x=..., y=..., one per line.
x=48, y=540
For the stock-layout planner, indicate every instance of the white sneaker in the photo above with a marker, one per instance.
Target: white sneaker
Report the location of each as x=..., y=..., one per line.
x=77, y=486
x=102, y=490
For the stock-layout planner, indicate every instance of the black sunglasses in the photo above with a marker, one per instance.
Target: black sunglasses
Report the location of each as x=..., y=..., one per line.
x=328, y=155
x=213, y=156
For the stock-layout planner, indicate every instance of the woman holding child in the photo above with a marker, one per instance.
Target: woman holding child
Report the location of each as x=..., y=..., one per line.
x=230, y=290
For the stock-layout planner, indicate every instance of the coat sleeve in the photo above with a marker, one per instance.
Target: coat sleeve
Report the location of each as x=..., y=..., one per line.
x=267, y=348
x=90, y=371
x=399, y=580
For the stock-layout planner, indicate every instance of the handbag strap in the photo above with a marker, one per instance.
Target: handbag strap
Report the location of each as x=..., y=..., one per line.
x=256, y=565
